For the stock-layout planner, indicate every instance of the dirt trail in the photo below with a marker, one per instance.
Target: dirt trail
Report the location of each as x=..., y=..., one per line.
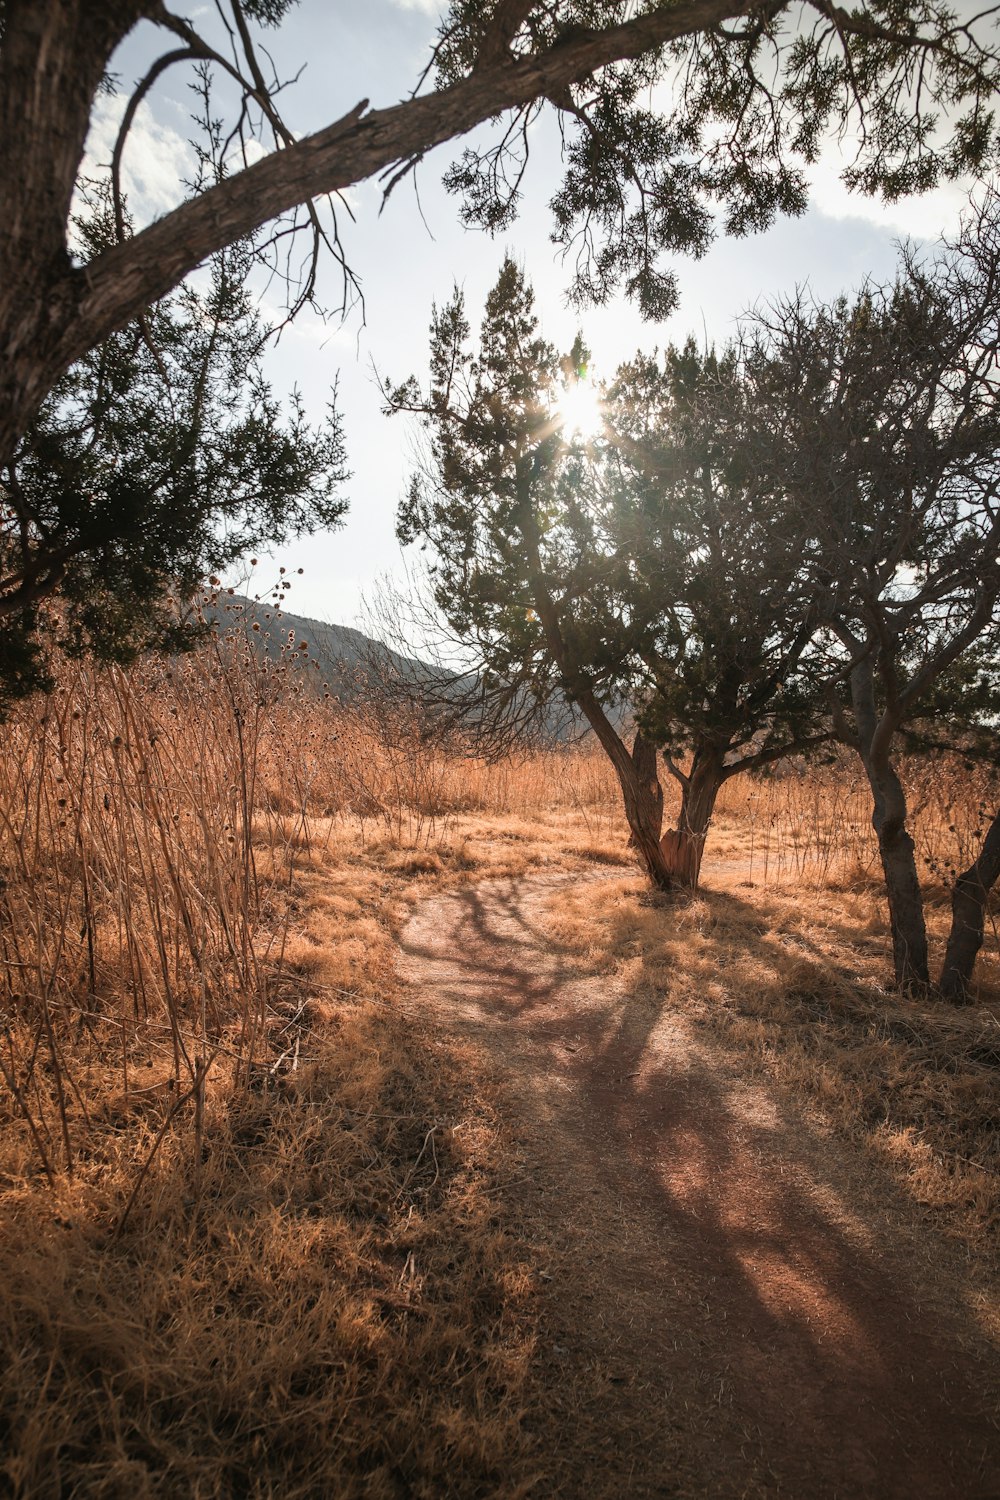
x=733, y=1308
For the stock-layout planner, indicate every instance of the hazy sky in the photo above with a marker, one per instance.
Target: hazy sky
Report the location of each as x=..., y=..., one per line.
x=407, y=259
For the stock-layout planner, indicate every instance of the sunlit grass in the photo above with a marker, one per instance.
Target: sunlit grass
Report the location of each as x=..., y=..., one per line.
x=230, y=1255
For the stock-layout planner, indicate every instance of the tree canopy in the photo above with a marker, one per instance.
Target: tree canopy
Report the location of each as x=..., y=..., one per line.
x=670, y=113
x=644, y=572
x=881, y=418
x=161, y=456
x=796, y=539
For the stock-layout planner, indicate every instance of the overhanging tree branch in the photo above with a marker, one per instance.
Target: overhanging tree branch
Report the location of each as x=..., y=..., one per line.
x=523, y=52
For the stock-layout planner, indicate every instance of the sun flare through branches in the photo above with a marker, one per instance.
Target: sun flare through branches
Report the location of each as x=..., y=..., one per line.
x=579, y=409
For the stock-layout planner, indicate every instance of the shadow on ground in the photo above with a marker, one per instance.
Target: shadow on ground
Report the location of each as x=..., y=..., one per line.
x=764, y=1312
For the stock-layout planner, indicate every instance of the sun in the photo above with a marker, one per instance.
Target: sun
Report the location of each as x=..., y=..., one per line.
x=579, y=409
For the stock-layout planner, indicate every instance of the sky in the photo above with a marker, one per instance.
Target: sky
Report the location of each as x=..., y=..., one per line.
x=411, y=251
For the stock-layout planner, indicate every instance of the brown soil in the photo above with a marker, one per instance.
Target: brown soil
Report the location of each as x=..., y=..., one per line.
x=734, y=1304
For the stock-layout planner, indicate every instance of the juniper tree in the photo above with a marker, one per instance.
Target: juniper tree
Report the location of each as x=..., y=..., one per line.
x=645, y=573
x=884, y=425
x=518, y=568
x=160, y=457
x=727, y=676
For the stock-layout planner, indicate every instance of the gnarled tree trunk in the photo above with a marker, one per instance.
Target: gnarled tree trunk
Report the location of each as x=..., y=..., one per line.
x=683, y=847
x=906, y=905
x=896, y=848
x=968, y=917
x=642, y=795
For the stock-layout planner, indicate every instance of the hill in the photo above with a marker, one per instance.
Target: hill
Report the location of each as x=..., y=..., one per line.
x=340, y=652
x=355, y=666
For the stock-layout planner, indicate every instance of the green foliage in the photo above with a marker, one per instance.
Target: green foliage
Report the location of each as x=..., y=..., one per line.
x=960, y=710
x=746, y=527
x=883, y=426
x=160, y=457
x=489, y=419
x=267, y=12
x=725, y=121
x=715, y=555
x=646, y=569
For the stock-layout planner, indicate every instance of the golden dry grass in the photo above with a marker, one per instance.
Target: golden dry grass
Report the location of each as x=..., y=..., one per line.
x=794, y=984
x=811, y=823
x=319, y=1300
x=269, y=1260
x=256, y=1239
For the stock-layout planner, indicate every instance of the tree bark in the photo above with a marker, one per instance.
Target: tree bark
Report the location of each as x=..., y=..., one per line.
x=52, y=59
x=642, y=795
x=896, y=848
x=968, y=917
x=683, y=847
x=906, y=906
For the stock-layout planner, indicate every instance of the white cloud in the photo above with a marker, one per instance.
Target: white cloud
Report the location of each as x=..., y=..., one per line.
x=155, y=163
x=921, y=216
x=253, y=151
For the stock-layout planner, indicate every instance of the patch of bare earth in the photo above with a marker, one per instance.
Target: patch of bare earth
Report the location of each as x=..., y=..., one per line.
x=733, y=1304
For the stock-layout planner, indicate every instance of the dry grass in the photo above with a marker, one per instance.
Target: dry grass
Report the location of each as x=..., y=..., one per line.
x=794, y=986
x=255, y=1238
x=251, y=1239
x=811, y=823
x=320, y=1301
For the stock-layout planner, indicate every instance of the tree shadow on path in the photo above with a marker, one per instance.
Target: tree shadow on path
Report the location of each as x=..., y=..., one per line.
x=755, y=1268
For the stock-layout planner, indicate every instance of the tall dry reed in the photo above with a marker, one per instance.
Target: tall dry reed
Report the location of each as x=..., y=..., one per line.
x=138, y=848
x=812, y=822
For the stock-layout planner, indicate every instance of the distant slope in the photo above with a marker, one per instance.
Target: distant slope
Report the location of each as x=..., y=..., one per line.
x=339, y=650
x=353, y=664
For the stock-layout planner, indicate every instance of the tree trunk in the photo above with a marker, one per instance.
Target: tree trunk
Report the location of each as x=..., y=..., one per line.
x=906, y=903
x=642, y=795
x=968, y=917
x=52, y=59
x=682, y=847
x=896, y=848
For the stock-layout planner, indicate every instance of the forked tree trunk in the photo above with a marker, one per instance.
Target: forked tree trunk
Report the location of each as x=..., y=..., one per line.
x=642, y=795
x=968, y=917
x=895, y=846
x=683, y=847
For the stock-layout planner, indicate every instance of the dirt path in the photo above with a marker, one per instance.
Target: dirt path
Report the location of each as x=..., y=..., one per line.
x=732, y=1309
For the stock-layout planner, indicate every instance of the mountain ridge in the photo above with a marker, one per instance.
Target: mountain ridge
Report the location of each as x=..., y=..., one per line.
x=333, y=648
